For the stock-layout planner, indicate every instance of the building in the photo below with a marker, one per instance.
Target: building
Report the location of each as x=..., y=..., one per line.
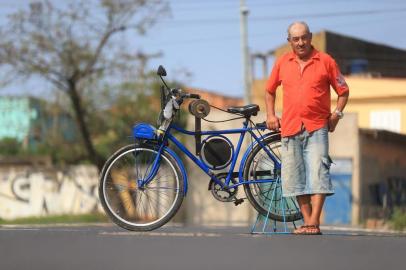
x=369, y=145
x=379, y=102
x=353, y=55
x=31, y=121
x=369, y=173
x=375, y=73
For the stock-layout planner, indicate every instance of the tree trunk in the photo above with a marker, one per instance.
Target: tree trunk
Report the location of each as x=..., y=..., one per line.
x=80, y=115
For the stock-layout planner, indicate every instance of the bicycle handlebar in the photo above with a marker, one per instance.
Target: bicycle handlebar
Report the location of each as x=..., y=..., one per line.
x=195, y=96
x=177, y=93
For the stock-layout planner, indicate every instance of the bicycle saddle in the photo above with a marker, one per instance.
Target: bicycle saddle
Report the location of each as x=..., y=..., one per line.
x=247, y=110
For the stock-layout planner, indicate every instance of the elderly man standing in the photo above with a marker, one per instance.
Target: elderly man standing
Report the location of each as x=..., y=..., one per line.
x=306, y=76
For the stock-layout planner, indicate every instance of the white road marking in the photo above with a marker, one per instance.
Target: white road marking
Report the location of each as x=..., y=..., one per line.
x=173, y=234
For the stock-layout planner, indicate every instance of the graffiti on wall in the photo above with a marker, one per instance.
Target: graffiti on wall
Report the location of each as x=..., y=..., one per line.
x=33, y=192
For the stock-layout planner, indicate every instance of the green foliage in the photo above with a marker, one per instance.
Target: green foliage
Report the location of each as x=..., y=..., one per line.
x=61, y=152
x=398, y=219
x=111, y=126
x=10, y=147
x=132, y=102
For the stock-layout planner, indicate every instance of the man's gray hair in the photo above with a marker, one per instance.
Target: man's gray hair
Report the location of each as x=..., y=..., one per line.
x=299, y=22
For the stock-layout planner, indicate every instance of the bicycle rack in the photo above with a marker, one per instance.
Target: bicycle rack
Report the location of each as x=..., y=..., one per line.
x=262, y=224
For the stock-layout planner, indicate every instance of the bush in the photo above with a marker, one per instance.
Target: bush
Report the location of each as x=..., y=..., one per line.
x=398, y=219
x=10, y=147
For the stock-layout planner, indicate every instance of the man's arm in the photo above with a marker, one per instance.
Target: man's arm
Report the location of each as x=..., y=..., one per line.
x=272, y=121
x=334, y=118
x=340, y=86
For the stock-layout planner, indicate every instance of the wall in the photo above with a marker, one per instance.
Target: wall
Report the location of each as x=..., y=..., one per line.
x=31, y=121
x=344, y=144
x=366, y=95
x=16, y=114
x=364, y=109
x=383, y=157
x=376, y=94
x=35, y=191
x=200, y=206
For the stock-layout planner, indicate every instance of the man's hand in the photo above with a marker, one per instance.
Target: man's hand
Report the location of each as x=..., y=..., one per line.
x=332, y=122
x=273, y=122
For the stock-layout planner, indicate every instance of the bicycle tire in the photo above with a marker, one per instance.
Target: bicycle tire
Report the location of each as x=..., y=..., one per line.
x=134, y=208
x=267, y=198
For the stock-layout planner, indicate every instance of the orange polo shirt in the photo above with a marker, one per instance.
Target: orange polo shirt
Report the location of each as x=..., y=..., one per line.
x=306, y=94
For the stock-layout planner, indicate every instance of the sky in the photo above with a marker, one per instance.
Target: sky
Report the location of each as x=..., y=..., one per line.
x=200, y=40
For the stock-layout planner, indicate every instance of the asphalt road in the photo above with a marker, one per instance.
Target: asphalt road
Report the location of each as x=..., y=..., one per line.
x=109, y=247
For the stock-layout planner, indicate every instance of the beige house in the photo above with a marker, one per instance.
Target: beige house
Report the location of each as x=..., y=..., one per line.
x=367, y=138
x=380, y=103
x=376, y=75
x=369, y=145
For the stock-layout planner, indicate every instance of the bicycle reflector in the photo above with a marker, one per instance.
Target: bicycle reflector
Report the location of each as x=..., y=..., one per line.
x=199, y=108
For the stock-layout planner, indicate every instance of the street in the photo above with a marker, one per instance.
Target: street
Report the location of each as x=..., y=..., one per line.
x=109, y=247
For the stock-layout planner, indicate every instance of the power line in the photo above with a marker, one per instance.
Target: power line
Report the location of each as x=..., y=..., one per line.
x=219, y=5
x=266, y=34
x=285, y=17
x=332, y=14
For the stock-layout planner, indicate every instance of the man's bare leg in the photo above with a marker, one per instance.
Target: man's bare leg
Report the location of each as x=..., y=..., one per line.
x=310, y=206
x=317, y=201
x=305, y=206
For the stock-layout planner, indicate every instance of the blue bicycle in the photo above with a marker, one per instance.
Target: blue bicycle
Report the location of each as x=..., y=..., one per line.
x=142, y=185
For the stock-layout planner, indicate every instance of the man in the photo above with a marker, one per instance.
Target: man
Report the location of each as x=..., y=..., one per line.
x=306, y=76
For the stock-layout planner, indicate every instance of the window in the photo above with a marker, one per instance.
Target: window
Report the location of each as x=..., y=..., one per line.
x=389, y=120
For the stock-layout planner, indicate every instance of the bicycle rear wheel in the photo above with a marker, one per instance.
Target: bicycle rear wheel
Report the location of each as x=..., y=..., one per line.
x=267, y=197
x=140, y=208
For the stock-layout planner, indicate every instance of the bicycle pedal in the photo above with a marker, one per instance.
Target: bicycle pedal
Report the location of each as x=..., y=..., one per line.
x=238, y=202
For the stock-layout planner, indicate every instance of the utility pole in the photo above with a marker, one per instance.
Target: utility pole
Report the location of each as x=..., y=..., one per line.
x=245, y=52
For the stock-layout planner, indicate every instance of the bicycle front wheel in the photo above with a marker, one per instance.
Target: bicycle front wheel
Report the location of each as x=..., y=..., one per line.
x=140, y=208
x=267, y=197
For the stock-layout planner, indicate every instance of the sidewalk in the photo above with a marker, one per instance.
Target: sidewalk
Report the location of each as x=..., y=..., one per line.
x=216, y=229
x=360, y=230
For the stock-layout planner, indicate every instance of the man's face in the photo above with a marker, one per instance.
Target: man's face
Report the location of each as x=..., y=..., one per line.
x=300, y=40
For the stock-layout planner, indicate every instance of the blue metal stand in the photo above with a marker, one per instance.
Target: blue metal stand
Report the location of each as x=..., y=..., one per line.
x=262, y=224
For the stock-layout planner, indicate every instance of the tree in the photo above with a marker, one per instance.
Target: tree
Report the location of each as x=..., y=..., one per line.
x=74, y=45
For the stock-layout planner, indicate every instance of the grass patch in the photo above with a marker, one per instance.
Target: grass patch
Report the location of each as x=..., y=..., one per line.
x=60, y=219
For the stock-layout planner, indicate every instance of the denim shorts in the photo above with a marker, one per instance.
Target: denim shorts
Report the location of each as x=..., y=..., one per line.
x=306, y=164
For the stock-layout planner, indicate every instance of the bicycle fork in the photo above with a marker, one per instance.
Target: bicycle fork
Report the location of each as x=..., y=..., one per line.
x=151, y=173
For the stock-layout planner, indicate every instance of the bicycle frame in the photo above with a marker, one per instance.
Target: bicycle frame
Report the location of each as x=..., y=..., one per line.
x=230, y=174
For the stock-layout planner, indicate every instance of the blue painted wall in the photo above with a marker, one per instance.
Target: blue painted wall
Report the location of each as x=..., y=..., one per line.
x=28, y=120
x=337, y=209
x=16, y=117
